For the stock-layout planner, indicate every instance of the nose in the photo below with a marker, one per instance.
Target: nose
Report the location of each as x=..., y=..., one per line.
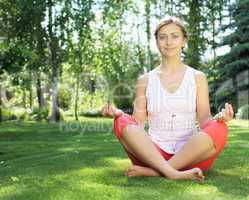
x=168, y=41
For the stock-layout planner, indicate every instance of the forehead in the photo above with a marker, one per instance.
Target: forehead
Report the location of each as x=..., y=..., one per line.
x=169, y=28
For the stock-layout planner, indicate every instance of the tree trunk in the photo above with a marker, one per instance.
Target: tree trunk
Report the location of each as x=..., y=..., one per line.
x=30, y=91
x=24, y=98
x=171, y=8
x=213, y=33
x=140, y=56
x=148, y=33
x=1, y=117
x=193, y=55
x=55, y=110
x=54, y=63
x=41, y=100
x=235, y=96
x=76, y=97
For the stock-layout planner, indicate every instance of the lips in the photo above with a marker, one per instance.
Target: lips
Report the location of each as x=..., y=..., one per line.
x=169, y=49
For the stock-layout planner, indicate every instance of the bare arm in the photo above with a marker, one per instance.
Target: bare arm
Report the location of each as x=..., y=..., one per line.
x=202, y=100
x=202, y=103
x=140, y=102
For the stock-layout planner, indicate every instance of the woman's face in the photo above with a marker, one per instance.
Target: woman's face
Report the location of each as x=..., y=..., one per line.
x=170, y=40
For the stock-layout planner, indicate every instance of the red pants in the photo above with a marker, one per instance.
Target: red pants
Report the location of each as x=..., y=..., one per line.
x=217, y=131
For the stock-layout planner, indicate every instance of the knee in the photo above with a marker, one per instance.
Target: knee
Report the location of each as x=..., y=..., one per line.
x=218, y=127
x=121, y=123
x=206, y=141
x=221, y=128
x=218, y=132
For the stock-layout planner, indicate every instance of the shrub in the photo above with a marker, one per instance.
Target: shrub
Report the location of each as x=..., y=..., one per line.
x=90, y=101
x=123, y=98
x=8, y=114
x=22, y=113
x=64, y=98
x=91, y=113
x=39, y=114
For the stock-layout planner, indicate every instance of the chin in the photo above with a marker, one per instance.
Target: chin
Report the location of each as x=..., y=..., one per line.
x=168, y=55
x=172, y=53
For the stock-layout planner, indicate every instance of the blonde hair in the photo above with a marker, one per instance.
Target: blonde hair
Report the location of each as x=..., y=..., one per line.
x=171, y=20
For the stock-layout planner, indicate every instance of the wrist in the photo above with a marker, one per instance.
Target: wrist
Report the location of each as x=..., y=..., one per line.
x=206, y=122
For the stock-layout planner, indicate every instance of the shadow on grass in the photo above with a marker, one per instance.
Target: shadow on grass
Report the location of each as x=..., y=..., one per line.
x=235, y=185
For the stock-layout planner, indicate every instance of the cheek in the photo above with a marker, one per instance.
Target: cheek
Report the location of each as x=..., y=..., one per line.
x=180, y=43
x=159, y=45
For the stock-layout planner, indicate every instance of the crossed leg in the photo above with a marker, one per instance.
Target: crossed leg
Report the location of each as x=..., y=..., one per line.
x=135, y=141
x=199, y=148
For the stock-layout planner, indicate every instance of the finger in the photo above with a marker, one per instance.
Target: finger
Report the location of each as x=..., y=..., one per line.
x=103, y=108
x=104, y=112
x=231, y=110
x=216, y=117
x=224, y=115
x=110, y=110
x=220, y=116
x=223, y=111
x=227, y=110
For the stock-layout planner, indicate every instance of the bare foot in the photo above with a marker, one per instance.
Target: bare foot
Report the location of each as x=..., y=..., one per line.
x=136, y=170
x=192, y=174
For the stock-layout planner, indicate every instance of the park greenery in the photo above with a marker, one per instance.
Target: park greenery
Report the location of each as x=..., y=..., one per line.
x=41, y=161
x=62, y=58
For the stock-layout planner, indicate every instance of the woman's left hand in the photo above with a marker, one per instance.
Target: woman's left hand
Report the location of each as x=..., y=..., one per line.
x=226, y=114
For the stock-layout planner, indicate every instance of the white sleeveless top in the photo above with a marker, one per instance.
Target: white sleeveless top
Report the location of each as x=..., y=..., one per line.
x=171, y=116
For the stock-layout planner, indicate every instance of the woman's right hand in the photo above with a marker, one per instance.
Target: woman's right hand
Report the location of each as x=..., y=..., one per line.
x=110, y=111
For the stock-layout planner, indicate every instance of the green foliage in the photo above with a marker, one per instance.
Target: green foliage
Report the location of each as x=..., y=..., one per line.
x=8, y=114
x=40, y=114
x=64, y=98
x=123, y=96
x=98, y=39
x=91, y=113
x=92, y=101
x=195, y=40
x=13, y=57
x=22, y=114
x=237, y=59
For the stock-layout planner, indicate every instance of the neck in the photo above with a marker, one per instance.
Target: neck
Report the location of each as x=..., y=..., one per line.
x=171, y=64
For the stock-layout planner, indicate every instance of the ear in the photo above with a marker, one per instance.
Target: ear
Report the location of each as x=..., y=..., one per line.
x=184, y=42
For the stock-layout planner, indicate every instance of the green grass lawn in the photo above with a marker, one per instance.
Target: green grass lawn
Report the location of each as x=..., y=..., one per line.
x=84, y=161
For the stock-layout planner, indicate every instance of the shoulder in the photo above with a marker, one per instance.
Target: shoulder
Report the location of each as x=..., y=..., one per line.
x=143, y=79
x=200, y=77
x=142, y=83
